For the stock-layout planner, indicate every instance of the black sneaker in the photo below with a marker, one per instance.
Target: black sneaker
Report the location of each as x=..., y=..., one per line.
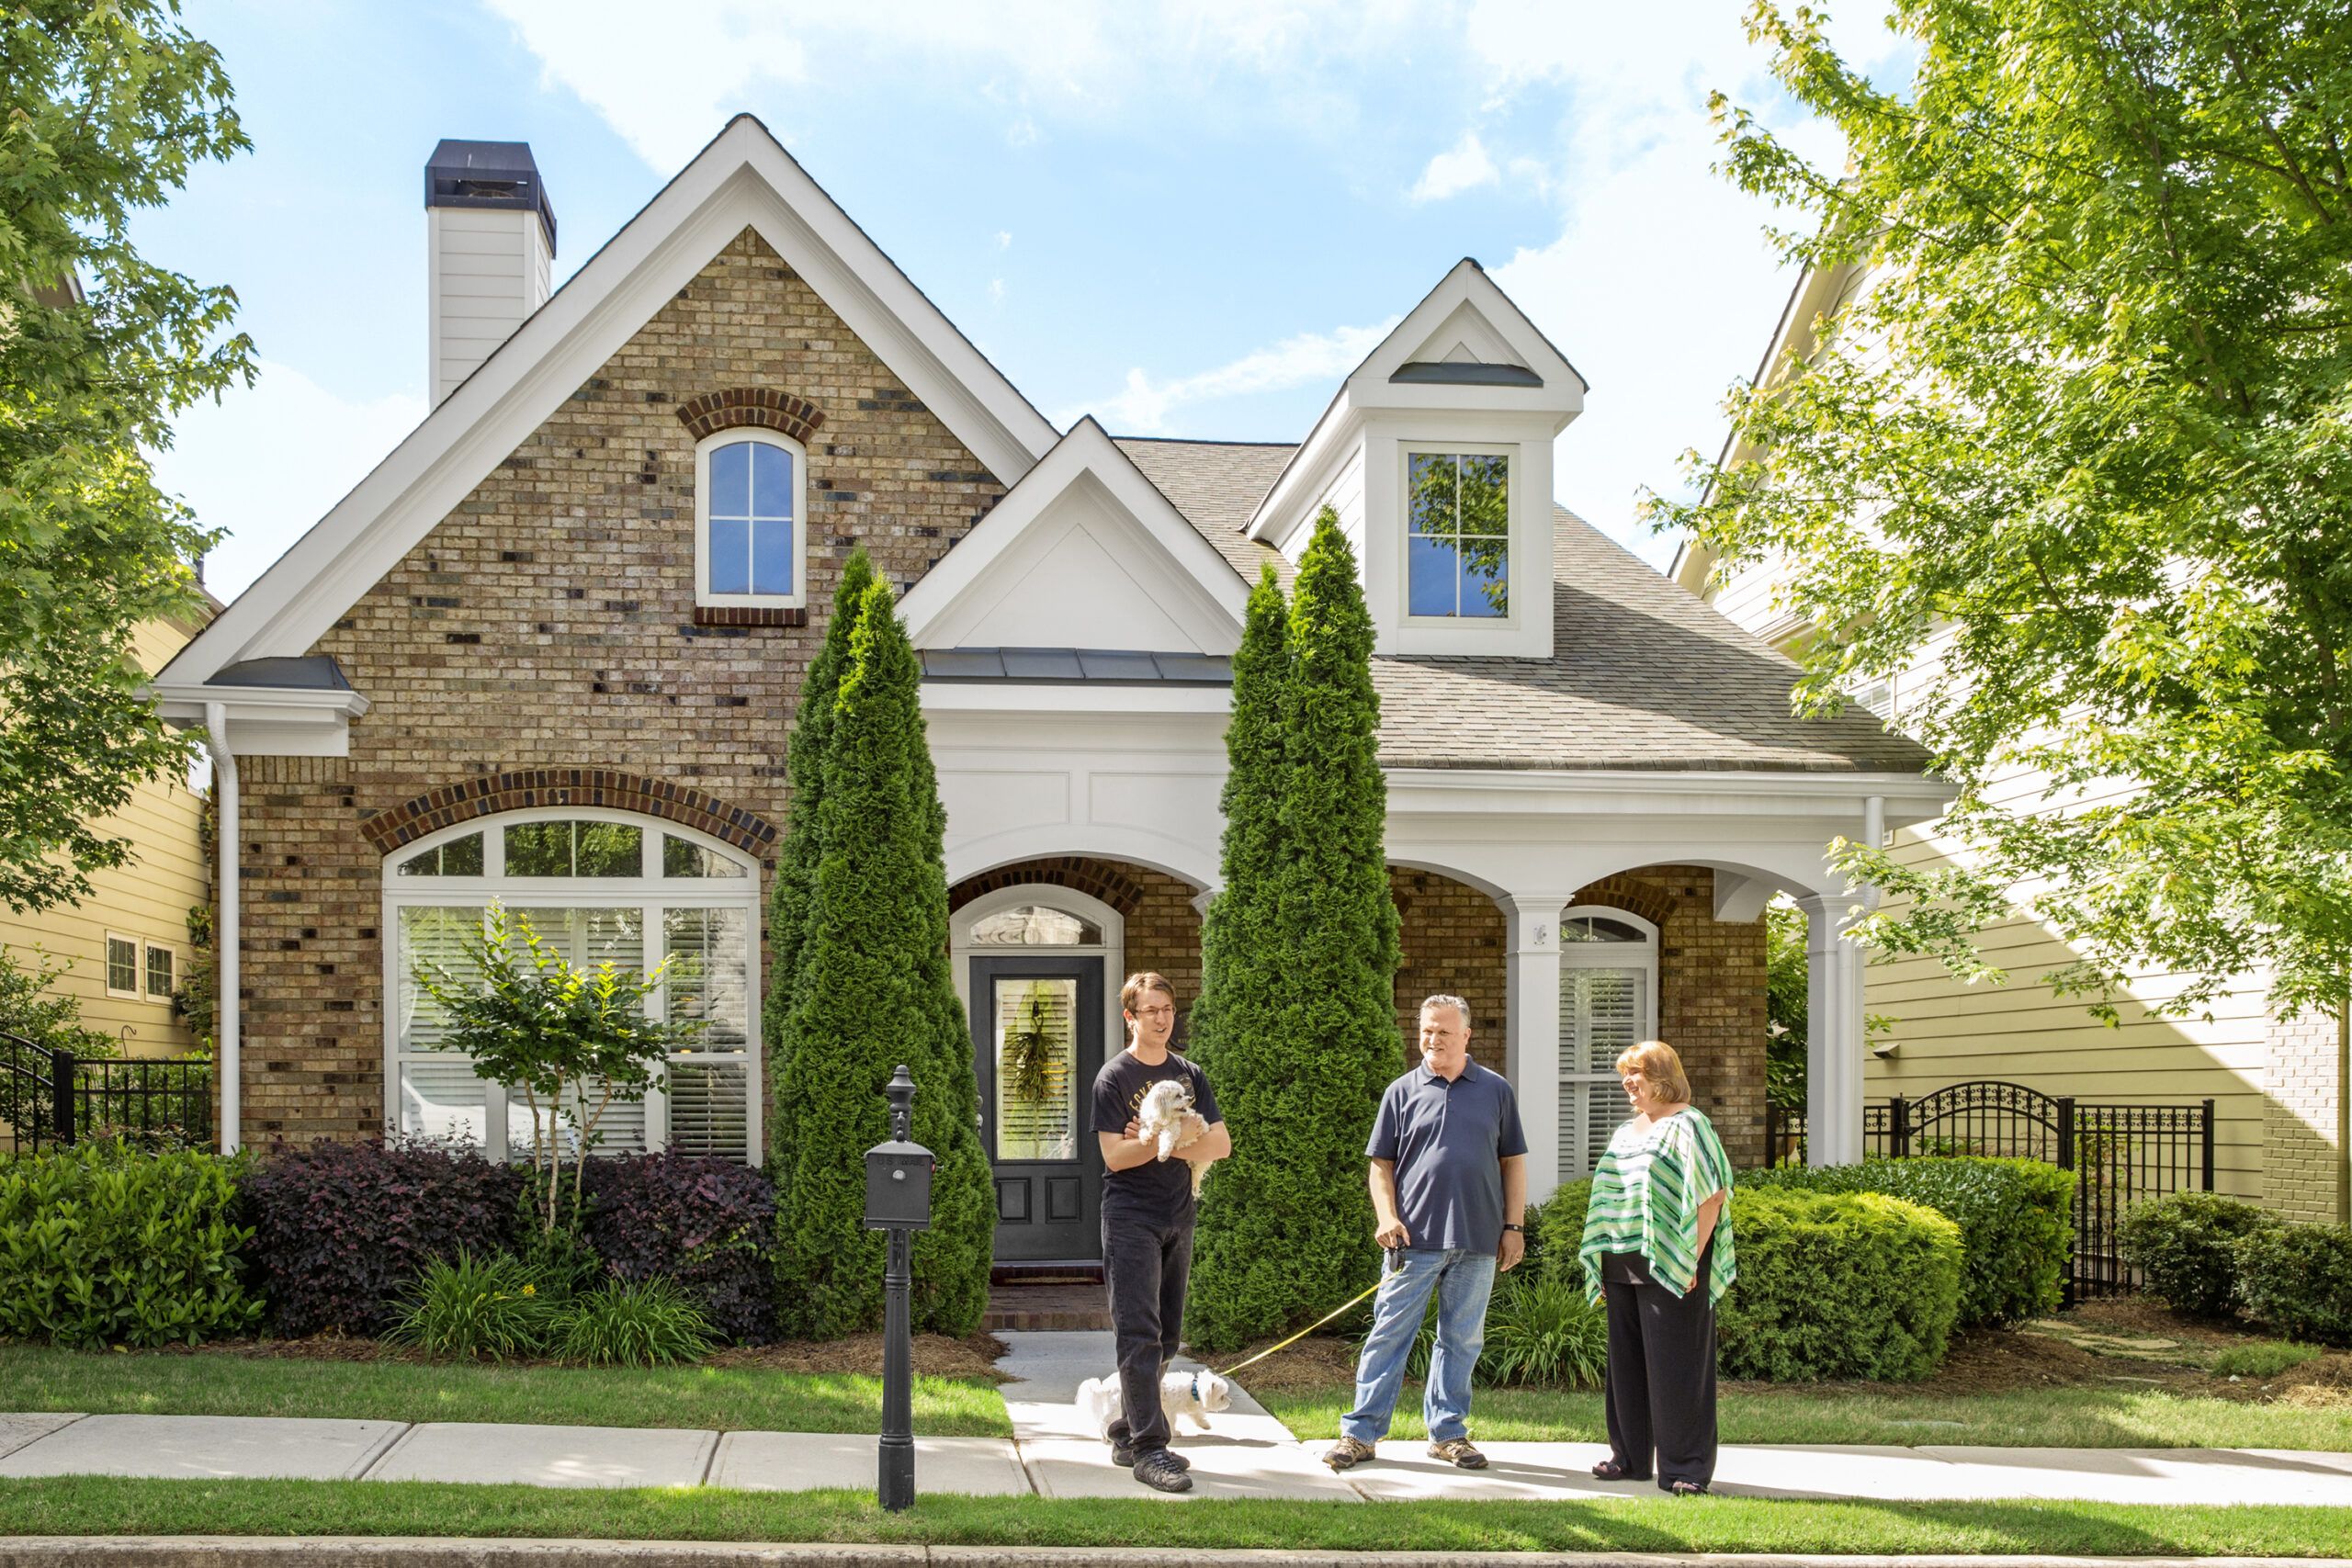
x=1159, y=1470
x=1123, y=1454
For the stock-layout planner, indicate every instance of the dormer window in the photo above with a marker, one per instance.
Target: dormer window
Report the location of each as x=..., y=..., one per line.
x=751, y=489
x=1457, y=545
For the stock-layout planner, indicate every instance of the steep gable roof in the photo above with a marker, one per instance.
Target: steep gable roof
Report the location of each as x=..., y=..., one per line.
x=744, y=178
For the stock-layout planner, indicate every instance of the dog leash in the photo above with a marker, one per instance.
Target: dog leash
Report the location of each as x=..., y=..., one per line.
x=1302, y=1333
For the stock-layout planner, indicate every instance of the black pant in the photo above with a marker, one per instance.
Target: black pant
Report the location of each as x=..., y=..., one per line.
x=1660, y=1388
x=1146, y=1262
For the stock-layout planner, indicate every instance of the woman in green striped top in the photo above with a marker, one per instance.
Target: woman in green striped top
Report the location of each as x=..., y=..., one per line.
x=1658, y=1251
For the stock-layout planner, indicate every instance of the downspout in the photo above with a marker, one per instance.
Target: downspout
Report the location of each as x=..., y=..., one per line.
x=1874, y=835
x=228, y=1009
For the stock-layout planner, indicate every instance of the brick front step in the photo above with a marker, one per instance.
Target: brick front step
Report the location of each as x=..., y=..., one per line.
x=1063, y=1305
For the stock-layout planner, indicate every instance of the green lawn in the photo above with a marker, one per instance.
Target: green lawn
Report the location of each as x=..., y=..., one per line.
x=2072, y=1418
x=110, y=1506
x=719, y=1398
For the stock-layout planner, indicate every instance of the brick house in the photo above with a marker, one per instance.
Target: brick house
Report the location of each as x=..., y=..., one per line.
x=549, y=650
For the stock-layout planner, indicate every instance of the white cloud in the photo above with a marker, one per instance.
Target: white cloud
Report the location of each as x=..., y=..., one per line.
x=268, y=462
x=1142, y=406
x=1452, y=172
x=1003, y=239
x=1022, y=132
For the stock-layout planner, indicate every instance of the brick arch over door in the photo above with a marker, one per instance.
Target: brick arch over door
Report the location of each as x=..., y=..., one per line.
x=1163, y=930
x=525, y=789
x=1639, y=893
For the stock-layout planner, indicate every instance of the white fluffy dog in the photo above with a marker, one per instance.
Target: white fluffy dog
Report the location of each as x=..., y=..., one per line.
x=1181, y=1394
x=1161, y=1117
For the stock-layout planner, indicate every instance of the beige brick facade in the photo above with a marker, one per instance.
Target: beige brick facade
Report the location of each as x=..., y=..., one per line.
x=547, y=623
x=2304, y=1174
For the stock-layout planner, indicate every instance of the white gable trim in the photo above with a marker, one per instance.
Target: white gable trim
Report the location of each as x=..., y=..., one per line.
x=743, y=179
x=1202, y=591
x=1489, y=315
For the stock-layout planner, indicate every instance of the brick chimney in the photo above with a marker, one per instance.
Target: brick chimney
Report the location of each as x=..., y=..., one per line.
x=490, y=241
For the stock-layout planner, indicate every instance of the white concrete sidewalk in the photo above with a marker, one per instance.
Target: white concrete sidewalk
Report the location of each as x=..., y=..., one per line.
x=1245, y=1453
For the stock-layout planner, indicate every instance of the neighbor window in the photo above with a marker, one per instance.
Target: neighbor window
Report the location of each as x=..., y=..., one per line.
x=1457, y=534
x=122, y=965
x=159, y=973
x=748, y=493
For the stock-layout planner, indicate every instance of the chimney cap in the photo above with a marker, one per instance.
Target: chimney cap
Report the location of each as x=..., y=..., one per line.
x=498, y=174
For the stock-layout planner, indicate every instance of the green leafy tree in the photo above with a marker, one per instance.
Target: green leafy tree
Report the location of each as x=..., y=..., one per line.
x=1787, y=1004
x=796, y=865
x=875, y=989
x=103, y=111
x=573, y=1042
x=1235, y=1028
x=1299, y=1241
x=2085, y=448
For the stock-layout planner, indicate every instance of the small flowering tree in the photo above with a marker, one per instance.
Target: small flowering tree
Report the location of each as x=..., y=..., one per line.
x=573, y=1042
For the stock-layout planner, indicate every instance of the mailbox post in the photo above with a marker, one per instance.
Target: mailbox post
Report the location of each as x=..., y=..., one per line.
x=897, y=1200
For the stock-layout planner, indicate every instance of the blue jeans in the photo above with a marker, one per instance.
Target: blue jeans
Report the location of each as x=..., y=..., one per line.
x=1463, y=1281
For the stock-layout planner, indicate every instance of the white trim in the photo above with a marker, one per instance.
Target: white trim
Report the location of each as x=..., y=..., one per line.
x=798, y=522
x=1206, y=594
x=132, y=993
x=1911, y=799
x=1576, y=955
x=1071, y=697
x=277, y=721
x=742, y=179
x=651, y=893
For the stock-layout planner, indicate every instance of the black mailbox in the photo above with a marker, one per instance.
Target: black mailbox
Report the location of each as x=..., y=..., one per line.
x=897, y=1187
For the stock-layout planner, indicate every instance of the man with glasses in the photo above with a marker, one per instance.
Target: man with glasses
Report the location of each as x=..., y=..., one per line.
x=1148, y=1222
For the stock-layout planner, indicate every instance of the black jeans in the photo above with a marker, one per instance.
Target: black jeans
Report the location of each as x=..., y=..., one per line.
x=1660, y=1388
x=1146, y=1261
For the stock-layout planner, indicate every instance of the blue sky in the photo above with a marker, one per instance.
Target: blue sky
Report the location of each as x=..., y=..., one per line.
x=1188, y=220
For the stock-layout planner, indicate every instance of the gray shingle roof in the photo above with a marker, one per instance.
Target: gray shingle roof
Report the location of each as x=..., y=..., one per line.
x=1642, y=675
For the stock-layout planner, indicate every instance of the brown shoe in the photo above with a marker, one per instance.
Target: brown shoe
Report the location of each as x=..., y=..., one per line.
x=1458, y=1453
x=1346, y=1454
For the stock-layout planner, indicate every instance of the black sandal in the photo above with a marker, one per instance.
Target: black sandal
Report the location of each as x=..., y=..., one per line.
x=1689, y=1489
x=1610, y=1469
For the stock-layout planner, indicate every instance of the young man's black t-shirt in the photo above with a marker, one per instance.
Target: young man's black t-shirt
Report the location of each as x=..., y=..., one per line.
x=1158, y=1188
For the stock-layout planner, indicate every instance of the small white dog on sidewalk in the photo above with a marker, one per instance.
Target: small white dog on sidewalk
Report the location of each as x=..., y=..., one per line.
x=1193, y=1394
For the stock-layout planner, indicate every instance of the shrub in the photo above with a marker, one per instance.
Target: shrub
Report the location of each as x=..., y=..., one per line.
x=1541, y=1332
x=1556, y=1231
x=2016, y=1220
x=2185, y=1245
x=476, y=1309
x=2298, y=1279
x=103, y=1245
x=707, y=1224
x=1837, y=1285
x=339, y=1229
x=646, y=1324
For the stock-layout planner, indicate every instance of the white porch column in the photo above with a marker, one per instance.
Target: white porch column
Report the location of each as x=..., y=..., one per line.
x=1533, y=1054
x=1833, y=1035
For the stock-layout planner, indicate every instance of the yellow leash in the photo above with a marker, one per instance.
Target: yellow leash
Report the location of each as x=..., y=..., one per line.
x=1302, y=1333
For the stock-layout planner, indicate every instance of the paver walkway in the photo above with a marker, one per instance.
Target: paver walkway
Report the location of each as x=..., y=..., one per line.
x=1245, y=1453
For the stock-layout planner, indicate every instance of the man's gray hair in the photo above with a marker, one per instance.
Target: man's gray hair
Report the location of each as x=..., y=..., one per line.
x=1443, y=1000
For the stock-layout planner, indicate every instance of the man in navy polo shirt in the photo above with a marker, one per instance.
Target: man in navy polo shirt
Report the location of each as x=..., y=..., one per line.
x=1449, y=1192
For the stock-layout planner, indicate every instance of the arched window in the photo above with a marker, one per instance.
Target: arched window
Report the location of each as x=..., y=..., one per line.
x=599, y=886
x=750, y=513
x=1608, y=1001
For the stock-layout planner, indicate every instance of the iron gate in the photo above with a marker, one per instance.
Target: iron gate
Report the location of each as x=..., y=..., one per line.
x=51, y=1099
x=2120, y=1153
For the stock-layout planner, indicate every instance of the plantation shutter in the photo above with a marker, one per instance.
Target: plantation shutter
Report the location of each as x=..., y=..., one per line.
x=709, y=981
x=1036, y=1021
x=438, y=1094
x=710, y=1107
x=1600, y=1015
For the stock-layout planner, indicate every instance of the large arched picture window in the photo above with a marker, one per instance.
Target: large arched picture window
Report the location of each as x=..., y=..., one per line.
x=598, y=886
x=1608, y=1001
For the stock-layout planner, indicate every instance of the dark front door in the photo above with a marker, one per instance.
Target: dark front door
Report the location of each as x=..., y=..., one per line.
x=1037, y=1044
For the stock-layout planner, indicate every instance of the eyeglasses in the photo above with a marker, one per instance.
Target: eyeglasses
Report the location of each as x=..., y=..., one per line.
x=1154, y=1012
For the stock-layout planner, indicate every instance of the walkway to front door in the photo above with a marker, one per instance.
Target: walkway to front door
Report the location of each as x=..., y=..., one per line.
x=1037, y=1045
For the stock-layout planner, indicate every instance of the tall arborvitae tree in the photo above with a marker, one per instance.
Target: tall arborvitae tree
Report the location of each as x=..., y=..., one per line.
x=874, y=990
x=796, y=865
x=1248, y=1229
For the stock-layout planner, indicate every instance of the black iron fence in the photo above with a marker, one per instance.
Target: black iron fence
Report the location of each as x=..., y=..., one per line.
x=52, y=1099
x=2120, y=1153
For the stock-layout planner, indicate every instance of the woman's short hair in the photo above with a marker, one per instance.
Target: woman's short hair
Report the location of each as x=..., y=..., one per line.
x=1148, y=980
x=1656, y=1062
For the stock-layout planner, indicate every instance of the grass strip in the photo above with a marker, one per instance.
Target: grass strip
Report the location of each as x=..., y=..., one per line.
x=116, y=1505
x=722, y=1399
x=2053, y=1417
